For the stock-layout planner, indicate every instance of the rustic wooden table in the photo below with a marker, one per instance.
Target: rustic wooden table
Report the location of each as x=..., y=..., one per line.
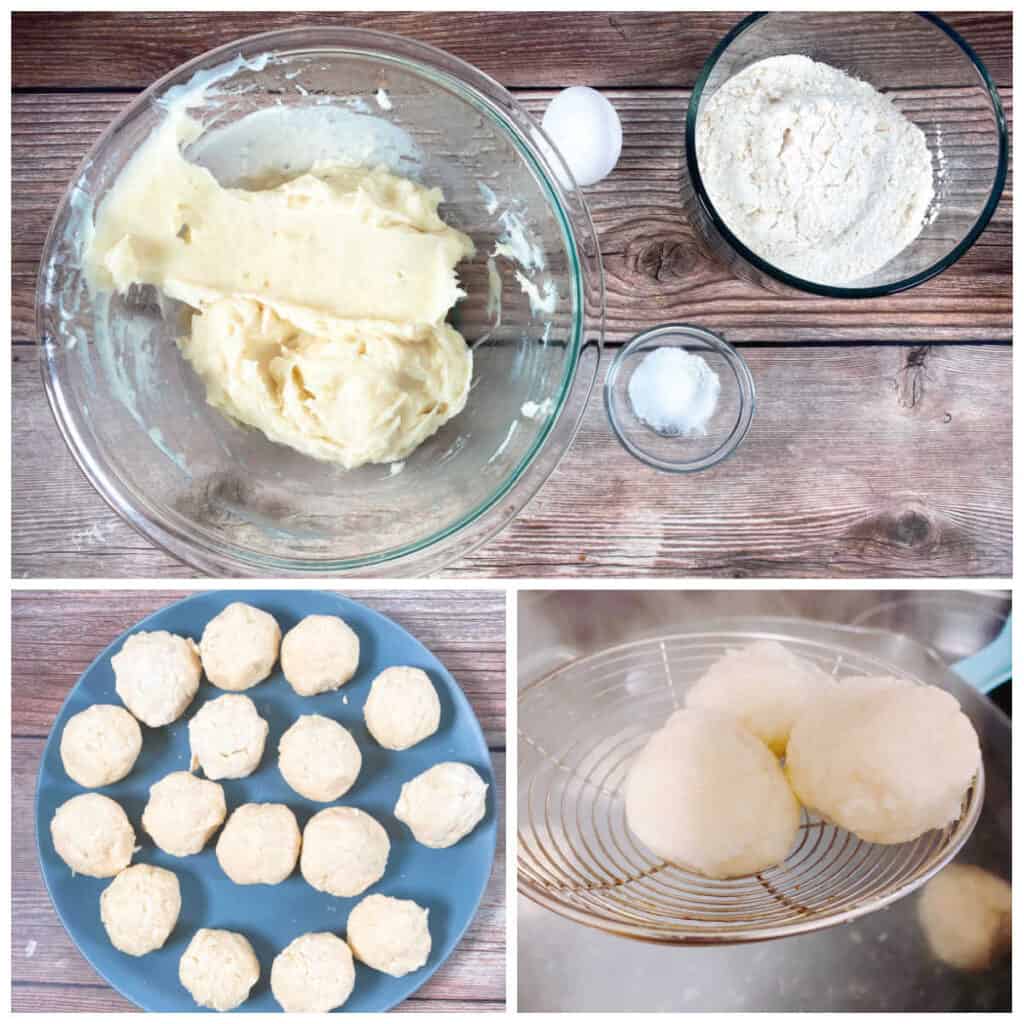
x=881, y=444
x=56, y=635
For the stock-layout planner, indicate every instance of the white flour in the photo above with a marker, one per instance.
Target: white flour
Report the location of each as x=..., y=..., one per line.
x=813, y=170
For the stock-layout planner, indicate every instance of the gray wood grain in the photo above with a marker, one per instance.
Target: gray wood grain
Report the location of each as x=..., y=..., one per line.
x=862, y=461
x=55, y=636
x=533, y=48
x=654, y=269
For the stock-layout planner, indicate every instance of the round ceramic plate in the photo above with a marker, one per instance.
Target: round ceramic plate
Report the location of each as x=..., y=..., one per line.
x=450, y=883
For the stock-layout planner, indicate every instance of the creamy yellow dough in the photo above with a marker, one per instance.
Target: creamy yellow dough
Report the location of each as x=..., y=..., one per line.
x=320, y=302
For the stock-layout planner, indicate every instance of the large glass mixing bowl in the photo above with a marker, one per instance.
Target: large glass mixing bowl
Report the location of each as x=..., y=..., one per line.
x=932, y=76
x=221, y=496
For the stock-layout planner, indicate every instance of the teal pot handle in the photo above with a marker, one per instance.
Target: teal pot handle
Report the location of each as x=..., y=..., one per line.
x=992, y=665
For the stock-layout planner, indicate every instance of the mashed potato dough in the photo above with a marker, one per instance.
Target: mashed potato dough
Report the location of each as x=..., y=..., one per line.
x=93, y=836
x=320, y=301
x=884, y=758
x=140, y=908
x=389, y=935
x=443, y=804
x=219, y=968
x=319, y=654
x=157, y=675
x=344, y=851
x=100, y=745
x=403, y=708
x=765, y=686
x=183, y=812
x=227, y=737
x=313, y=974
x=259, y=844
x=239, y=647
x=319, y=759
x=709, y=796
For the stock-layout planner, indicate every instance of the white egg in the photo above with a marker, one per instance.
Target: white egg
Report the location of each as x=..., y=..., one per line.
x=587, y=131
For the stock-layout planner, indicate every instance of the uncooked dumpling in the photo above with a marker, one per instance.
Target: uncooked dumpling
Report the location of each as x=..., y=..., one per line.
x=884, y=758
x=313, y=974
x=93, y=835
x=318, y=758
x=227, y=737
x=239, y=646
x=709, y=796
x=320, y=654
x=403, y=708
x=389, y=935
x=219, y=968
x=183, y=812
x=765, y=686
x=344, y=851
x=443, y=804
x=140, y=908
x=259, y=844
x=100, y=745
x=157, y=675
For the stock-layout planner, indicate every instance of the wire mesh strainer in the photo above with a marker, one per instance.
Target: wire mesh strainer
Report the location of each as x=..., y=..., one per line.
x=579, y=729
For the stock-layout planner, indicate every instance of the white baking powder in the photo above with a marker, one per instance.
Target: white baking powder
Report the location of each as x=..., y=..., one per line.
x=674, y=392
x=814, y=171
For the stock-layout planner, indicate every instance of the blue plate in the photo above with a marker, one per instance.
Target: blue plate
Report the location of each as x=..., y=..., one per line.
x=450, y=883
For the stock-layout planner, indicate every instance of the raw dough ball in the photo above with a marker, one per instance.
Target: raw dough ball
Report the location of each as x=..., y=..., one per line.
x=389, y=935
x=321, y=653
x=884, y=758
x=313, y=974
x=709, y=796
x=93, y=835
x=765, y=686
x=239, y=647
x=344, y=851
x=227, y=737
x=965, y=913
x=259, y=844
x=402, y=708
x=219, y=968
x=100, y=745
x=157, y=675
x=443, y=804
x=319, y=759
x=140, y=908
x=183, y=812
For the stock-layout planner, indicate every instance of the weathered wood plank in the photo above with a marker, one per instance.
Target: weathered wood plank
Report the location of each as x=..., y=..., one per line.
x=654, y=270
x=519, y=49
x=469, y=626
x=466, y=631
x=889, y=461
x=862, y=461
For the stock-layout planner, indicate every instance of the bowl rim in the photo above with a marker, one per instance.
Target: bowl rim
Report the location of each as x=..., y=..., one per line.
x=834, y=291
x=569, y=207
x=744, y=384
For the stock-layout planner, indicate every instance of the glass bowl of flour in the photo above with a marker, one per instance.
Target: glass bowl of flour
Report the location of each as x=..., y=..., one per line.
x=320, y=302
x=845, y=155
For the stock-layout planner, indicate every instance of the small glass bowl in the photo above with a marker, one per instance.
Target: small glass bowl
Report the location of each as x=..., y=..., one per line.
x=728, y=424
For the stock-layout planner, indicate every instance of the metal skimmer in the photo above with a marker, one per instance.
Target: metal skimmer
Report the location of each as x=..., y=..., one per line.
x=579, y=728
